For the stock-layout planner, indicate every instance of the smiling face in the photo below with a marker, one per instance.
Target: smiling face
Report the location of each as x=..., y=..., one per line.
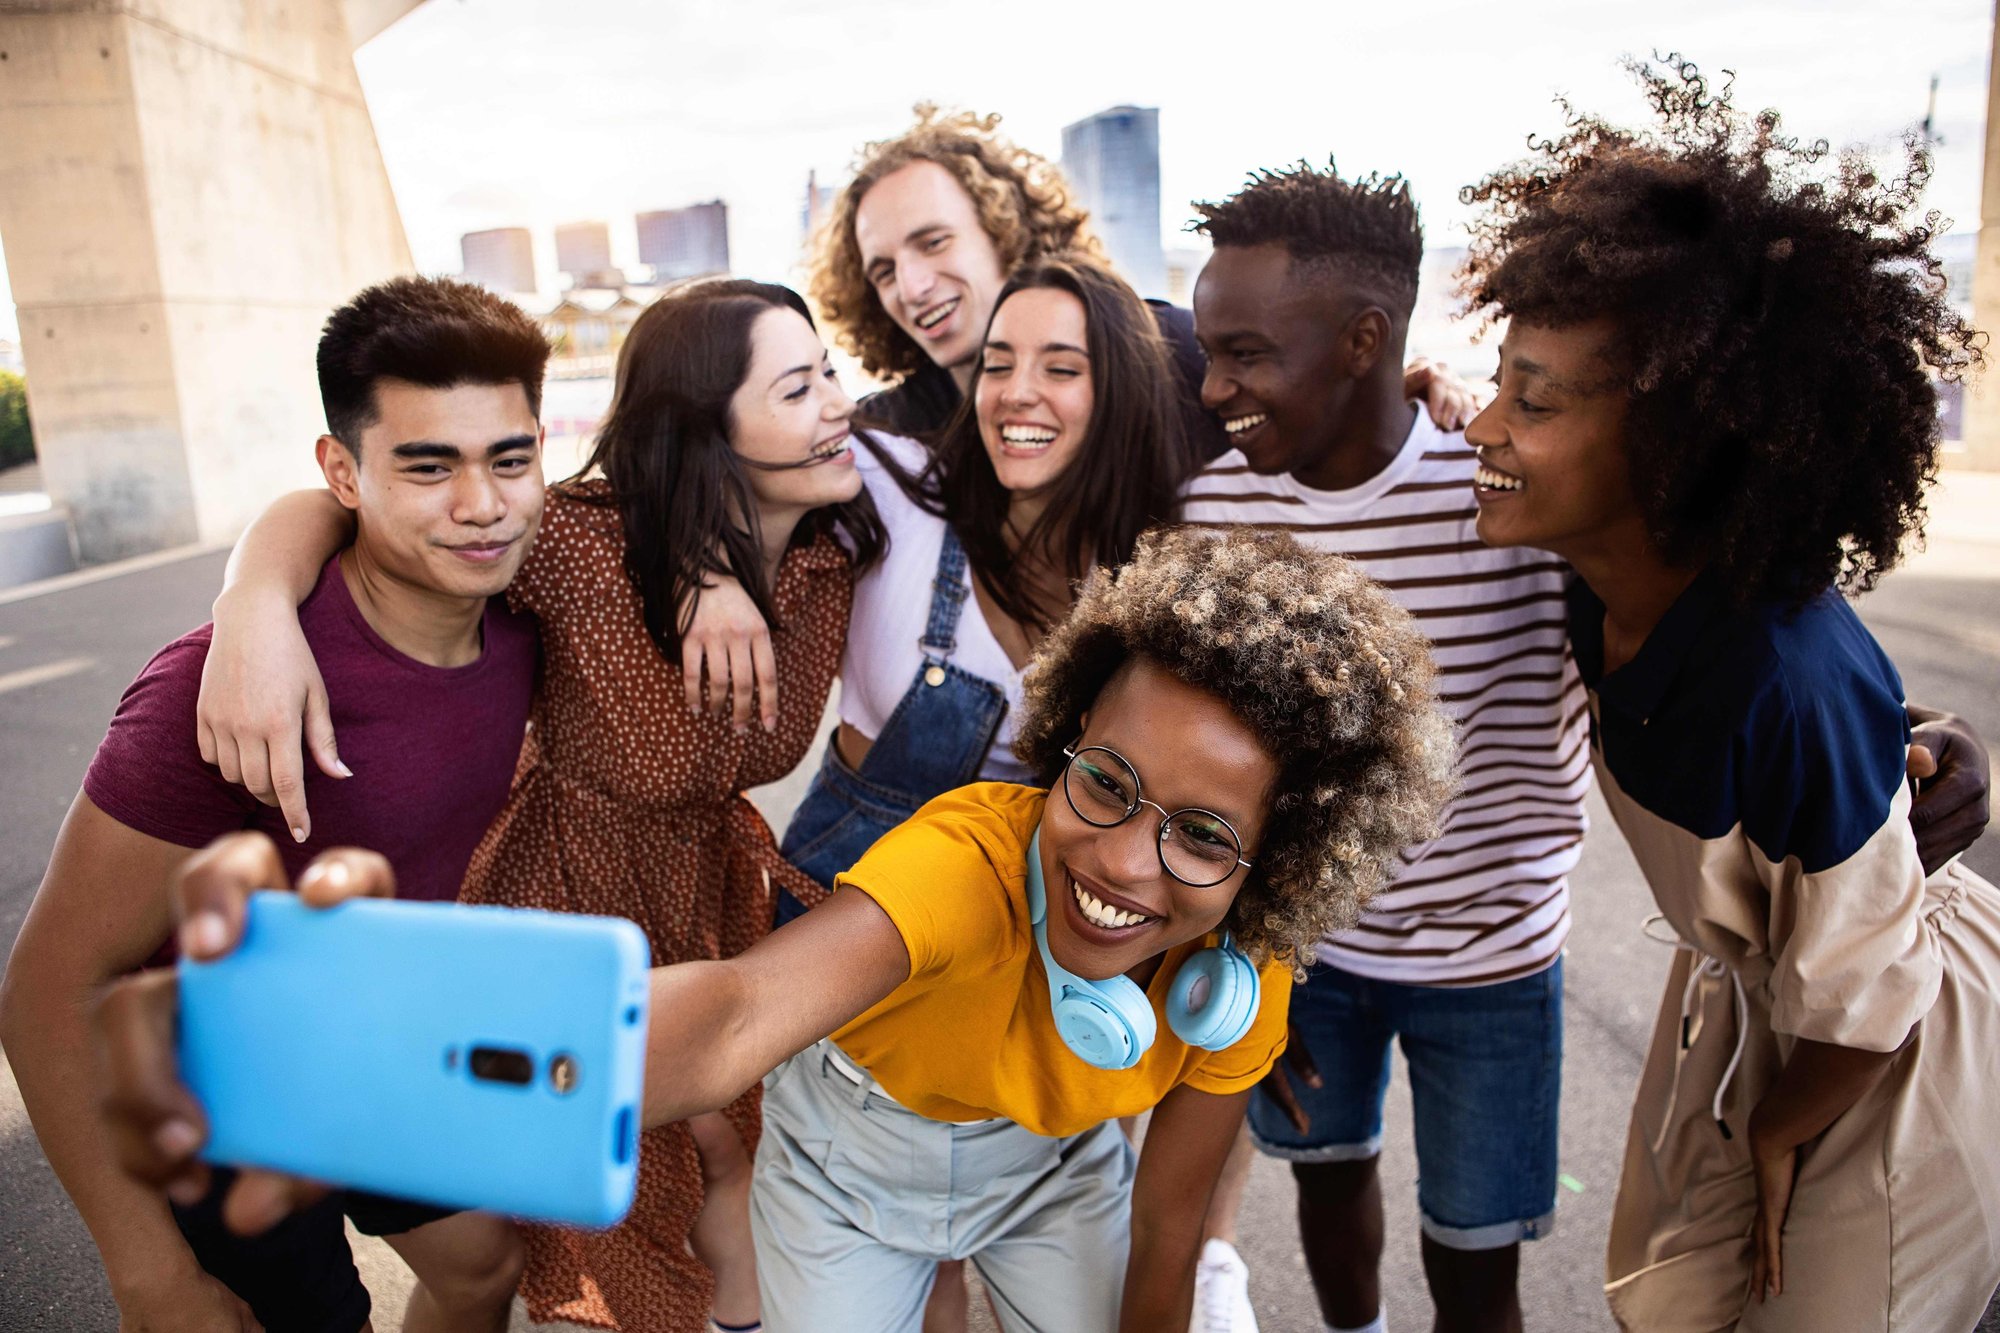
x=446, y=487
x=1278, y=374
x=1034, y=395
x=930, y=262
x=1552, y=464
x=1188, y=750
x=791, y=415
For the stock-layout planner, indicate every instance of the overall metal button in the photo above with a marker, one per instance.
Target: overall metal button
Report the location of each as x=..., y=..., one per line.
x=934, y=675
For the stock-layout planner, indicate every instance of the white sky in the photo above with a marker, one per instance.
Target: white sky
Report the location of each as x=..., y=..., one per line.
x=527, y=112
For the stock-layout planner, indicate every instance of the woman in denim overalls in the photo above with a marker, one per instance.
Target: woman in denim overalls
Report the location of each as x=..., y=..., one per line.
x=1029, y=489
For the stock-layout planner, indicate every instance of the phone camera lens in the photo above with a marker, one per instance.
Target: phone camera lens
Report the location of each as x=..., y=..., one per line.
x=563, y=1073
x=497, y=1064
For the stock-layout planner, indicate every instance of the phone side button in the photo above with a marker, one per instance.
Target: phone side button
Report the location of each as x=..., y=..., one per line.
x=622, y=1137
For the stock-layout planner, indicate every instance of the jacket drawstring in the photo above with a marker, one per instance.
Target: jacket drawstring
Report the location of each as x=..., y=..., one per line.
x=1705, y=965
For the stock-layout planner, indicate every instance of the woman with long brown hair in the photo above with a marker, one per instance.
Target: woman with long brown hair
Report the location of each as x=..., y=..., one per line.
x=728, y=444
x=1068, y=446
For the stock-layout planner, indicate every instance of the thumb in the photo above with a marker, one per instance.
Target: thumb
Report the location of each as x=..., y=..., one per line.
x=1921, y=763
x=319, y=736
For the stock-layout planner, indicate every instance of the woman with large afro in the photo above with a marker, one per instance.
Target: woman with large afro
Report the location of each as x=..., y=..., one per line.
x=1717, y=401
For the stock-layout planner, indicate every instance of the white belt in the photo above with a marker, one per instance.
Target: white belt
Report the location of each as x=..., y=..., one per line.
x=847, y=1069
x=837, y=1061
x=1705, y=965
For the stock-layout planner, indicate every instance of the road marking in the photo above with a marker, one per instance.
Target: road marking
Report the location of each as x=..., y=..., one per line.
x=42, y=675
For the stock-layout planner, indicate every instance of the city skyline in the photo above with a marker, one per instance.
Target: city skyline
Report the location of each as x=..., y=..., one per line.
x=738, y=125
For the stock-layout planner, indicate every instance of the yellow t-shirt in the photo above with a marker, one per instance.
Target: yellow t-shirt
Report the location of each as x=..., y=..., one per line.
x=970, y=1035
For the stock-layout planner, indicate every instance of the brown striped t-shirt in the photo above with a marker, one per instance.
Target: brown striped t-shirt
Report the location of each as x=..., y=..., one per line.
x=1489, y=899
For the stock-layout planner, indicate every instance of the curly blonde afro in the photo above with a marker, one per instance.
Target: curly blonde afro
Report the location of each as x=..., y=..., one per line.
x=1333, y=677
x=1024, y=205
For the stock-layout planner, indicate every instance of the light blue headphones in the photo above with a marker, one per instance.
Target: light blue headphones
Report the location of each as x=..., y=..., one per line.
x=1109, y=1023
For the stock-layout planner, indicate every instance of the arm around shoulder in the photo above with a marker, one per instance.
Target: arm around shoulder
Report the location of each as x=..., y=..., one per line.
x=285, y=547
x=263, y=702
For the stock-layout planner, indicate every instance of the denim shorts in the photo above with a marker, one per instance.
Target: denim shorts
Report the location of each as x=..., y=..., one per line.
x=1485, y=1080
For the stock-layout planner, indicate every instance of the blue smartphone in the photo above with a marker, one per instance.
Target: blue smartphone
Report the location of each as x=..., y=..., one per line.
x=469, y=1057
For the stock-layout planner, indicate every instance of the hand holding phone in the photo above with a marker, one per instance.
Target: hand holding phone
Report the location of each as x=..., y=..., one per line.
x=470, y=1057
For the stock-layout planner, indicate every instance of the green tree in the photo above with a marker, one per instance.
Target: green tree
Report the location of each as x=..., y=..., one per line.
x=17, y=439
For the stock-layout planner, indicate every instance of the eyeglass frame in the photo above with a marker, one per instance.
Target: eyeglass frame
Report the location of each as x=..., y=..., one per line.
x=1070, y=754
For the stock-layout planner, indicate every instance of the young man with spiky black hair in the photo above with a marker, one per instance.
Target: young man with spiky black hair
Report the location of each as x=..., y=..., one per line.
x=1303, y=312
x=432, y=390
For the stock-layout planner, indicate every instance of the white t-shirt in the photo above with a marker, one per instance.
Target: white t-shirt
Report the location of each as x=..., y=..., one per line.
x=1489, y=900
x=892, y=606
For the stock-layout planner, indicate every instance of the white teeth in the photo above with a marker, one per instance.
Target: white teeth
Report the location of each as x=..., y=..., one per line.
x=1498, y=481
x=930, y=319
x=1027, y=435
x=1237, y=425
x=1103, y=914
x=832, y=450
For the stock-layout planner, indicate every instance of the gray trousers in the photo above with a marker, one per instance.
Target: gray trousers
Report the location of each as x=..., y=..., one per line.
x=856, y=1199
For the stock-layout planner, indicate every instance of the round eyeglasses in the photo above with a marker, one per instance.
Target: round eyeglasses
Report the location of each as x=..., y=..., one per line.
x=1198, y=847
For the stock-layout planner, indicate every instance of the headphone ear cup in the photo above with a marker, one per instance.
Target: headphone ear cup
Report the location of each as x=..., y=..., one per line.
x=1103, y=1025
x=1214, y=998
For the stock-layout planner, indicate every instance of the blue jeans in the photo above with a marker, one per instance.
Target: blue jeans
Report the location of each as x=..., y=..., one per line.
x=1485, y=1083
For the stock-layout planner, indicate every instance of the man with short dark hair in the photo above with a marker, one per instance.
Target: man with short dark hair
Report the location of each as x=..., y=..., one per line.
x=431, y=390
x=1304, y=311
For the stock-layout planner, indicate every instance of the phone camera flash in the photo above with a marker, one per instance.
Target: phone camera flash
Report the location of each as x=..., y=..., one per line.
x=562, y=1074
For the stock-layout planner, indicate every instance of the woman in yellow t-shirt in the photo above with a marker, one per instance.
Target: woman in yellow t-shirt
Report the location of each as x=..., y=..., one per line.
x=1237, y=737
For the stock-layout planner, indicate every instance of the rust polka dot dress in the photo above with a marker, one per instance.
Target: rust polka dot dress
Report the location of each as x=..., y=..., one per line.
x=625, y=804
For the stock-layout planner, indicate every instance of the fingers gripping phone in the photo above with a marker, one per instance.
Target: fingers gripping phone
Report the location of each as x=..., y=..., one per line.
x=471, y=1057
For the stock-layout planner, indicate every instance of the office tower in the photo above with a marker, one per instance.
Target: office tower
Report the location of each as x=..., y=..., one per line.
x=1112, y=160
x=583, y=251
x=818, y=203
x=689, y=242
x=502, y=259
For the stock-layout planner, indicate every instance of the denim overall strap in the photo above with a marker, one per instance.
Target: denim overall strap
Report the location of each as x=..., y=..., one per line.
x=939, y=734
x=949, y=590
x=936, y=739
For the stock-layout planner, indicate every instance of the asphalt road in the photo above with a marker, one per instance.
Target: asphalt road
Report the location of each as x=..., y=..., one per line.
x=65, y=657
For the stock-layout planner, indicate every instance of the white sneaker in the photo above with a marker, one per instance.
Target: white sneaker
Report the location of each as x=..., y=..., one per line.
x=1222, y=1292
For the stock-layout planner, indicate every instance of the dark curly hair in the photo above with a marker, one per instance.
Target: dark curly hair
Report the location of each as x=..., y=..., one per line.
x=1333, y=677
x=1776, y=326
x=1024, y=204
x=1367, y=229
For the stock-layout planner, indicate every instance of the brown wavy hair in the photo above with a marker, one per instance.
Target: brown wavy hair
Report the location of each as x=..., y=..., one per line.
x=1025, y=207
x=1333, y=677
x=682, y=492
x=1778, y=323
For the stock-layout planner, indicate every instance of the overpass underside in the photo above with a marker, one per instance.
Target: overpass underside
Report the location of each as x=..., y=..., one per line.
x=187, y=187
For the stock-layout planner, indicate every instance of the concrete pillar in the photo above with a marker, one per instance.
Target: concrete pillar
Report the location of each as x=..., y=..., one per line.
x=187, y=187
x=1982, y=399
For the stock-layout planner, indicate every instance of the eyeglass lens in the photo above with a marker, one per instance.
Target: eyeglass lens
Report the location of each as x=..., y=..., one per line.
x=1195, y=845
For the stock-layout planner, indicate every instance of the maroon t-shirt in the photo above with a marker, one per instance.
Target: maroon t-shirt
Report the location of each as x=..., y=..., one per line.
x=432, y=748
